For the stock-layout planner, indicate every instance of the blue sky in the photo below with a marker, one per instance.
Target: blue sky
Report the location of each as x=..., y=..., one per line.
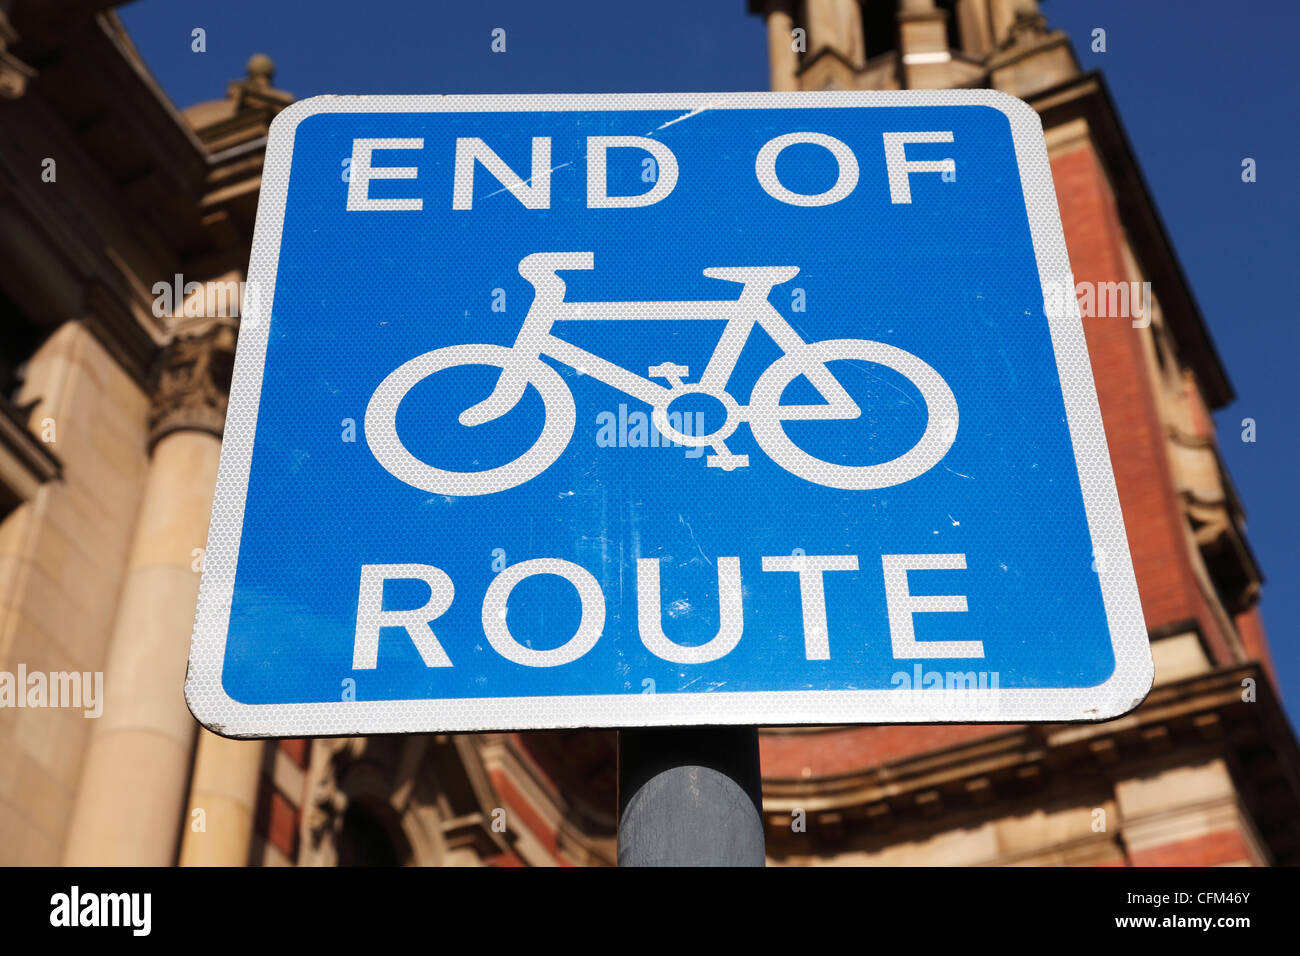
x=1198, y=88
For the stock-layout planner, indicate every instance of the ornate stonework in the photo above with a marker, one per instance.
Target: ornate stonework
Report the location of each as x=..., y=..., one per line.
x=323, y=811
x=193, y=383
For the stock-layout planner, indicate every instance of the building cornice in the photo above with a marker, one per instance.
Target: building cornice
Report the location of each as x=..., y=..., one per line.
x=1202, y=715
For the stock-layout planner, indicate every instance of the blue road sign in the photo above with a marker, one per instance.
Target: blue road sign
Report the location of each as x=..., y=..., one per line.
x=564, y=411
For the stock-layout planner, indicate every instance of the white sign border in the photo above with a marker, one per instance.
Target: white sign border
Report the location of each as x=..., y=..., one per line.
x=1123, y=691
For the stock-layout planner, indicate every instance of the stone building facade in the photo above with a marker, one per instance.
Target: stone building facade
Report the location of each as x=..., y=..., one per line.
x=124, y=234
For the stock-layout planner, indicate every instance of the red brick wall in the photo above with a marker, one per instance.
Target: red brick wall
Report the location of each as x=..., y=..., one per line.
x=520, y=811
x=298, y=750
x=279, y=815
x=1134, y=431
x=784, y=756
x=1251, y=629
x=1211, y=849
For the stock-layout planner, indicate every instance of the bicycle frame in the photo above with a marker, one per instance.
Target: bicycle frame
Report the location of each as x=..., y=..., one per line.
x=521, y=366
x=741, y=314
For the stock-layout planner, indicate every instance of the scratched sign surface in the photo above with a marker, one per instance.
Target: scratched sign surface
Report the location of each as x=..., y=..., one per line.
x=673, y=409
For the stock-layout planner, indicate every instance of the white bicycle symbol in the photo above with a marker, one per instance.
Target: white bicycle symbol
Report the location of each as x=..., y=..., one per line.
x=521, y=366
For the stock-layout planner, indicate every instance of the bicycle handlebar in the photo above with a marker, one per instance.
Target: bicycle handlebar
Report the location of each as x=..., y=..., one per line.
x=540, y=270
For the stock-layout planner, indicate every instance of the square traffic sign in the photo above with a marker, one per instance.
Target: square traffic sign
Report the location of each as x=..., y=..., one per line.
x=564, y=411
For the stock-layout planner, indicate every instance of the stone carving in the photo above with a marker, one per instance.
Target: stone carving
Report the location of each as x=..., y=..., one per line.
x=193, y=383
x=326, y=803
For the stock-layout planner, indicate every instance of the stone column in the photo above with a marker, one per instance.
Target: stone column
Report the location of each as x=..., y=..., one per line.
x=837, y=24
x=223, y=800
x=782, y=57
x=136, y=771
x=973, y=22
x=923, y=45
x=1003, y=15
x=1012, y=17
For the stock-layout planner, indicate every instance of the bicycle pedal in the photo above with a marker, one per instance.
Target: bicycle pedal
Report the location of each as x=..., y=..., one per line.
x=669, y=370
x=727, y=462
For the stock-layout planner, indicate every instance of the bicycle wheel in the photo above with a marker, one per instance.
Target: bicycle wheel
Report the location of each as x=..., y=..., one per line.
x=766, y=423
x=387, y=447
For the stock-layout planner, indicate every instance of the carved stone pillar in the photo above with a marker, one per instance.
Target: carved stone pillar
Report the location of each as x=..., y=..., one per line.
x=783, y=60
x=923, y=45
x=1014, y=19
x=223, y=801
x=1003, y=15
x=837, y=24
x=194, y=384
x=974, y=26
x=1029, y=22
x=136, y=771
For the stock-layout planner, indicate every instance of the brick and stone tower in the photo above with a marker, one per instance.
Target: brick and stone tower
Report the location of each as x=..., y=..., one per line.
x=1207, y=770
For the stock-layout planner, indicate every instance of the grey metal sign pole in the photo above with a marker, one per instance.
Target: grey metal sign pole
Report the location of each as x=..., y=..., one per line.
x=689, y=796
